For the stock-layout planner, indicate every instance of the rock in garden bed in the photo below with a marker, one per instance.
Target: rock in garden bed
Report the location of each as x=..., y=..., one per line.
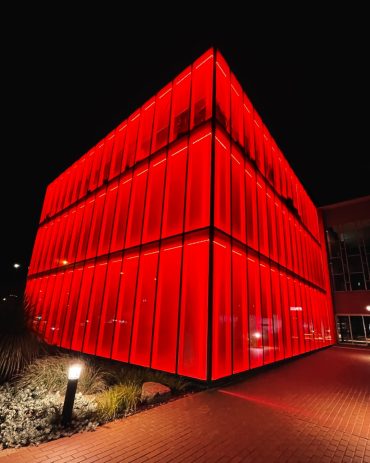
x=152, y=392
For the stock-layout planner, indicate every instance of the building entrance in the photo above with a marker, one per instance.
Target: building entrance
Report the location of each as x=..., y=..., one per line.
x=353, y=329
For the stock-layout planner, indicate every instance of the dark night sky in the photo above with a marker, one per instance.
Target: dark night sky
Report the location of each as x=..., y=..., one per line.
x=68, y=84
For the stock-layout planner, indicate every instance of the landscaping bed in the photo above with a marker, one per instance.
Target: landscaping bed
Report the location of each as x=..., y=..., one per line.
x=31, y=404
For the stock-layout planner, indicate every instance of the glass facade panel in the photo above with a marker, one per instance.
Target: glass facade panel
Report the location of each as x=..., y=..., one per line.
x=136, y=206
x=162, y=118
x=221, y=338
x=174, y=196
x=222, y=203
x=154, y=199
x=198, y=180
x=109, y=307
x=239, y=309
x=192, y=356
x=125, y=306
x=167, y=306
x=180, y=112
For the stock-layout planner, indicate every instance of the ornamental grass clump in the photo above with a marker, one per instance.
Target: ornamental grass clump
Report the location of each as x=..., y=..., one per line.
x=19, y=344
x=50, y=373
x=117, y=401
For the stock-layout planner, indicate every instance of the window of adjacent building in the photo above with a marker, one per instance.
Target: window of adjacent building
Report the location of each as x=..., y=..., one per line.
x=357, y=282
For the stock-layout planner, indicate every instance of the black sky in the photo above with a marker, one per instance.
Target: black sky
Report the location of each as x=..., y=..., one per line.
x=67, y=83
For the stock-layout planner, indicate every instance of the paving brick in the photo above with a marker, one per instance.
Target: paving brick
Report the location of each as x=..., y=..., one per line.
x=315, y=409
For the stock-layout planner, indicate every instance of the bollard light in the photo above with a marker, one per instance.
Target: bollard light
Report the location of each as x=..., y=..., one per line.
x=74, y=372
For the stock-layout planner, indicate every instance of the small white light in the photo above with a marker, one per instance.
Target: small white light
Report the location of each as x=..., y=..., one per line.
x=4, y=298
x=74, y=371
x=16, y=265
x=64, y=262
x=367, y=308
x=257, y=335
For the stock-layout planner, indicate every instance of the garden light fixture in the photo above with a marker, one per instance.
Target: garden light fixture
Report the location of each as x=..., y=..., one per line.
x=74, y=372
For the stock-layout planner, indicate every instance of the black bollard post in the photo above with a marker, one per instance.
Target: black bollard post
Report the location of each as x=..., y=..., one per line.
x=73, y=375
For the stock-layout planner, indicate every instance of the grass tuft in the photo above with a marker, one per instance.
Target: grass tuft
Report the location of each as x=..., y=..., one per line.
x=50, y=373
x=19, y=345
x=117, y=401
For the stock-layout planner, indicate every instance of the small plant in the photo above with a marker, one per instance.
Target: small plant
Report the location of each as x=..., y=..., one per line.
x=19, y=345
x=117, y=401
x=50, y=373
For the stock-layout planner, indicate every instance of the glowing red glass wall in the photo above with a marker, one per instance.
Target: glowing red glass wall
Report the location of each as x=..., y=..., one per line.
x=183, y=241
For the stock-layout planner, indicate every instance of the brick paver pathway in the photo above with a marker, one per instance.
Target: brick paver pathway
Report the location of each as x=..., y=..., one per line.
x=313, y=409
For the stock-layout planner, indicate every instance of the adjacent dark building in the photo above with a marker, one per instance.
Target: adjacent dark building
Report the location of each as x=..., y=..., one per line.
x=348, y=236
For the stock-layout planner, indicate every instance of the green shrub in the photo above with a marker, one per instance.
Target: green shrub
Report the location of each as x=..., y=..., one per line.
x=50, y=373
x=118, y=400
x=19, y=345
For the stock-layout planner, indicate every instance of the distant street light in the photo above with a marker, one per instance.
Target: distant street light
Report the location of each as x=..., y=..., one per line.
x=74, y=372
x=16, y=265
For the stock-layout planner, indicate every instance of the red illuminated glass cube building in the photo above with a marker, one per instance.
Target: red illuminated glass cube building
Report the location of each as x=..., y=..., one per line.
x=183, y=241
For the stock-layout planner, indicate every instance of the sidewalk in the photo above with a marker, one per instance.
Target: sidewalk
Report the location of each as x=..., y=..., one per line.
x=314, y=409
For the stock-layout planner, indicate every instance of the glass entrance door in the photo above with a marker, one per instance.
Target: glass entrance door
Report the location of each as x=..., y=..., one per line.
x=344, y=330
x=367, y=328
x=358, y=329
x=353, y=329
